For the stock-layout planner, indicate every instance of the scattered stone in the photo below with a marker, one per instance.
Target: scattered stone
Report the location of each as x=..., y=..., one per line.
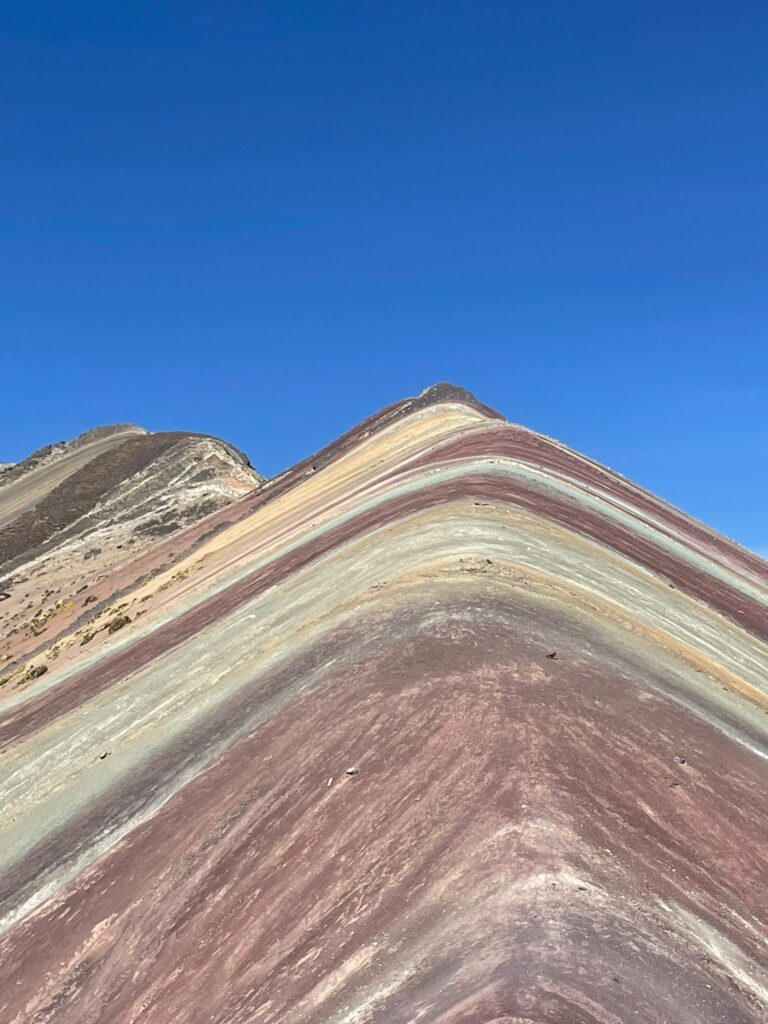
x=552, y=655
x=105, y=754
x=678, y=759
x=118, y=623
x=352, y=771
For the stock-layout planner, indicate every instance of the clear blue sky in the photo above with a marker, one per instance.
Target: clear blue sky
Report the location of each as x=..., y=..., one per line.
x=267, y=220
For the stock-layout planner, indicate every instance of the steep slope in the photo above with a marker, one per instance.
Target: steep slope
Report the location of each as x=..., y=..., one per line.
x=448, y=724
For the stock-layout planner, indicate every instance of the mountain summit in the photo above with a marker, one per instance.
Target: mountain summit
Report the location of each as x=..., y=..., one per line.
x=447, y=724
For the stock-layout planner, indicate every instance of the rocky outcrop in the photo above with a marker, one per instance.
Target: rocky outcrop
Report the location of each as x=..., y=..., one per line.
x=446, y=724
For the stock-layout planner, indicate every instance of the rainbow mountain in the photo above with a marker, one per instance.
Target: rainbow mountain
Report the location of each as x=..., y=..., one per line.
x=447, y=724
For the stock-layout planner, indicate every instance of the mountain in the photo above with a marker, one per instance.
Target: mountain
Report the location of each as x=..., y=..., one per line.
x=447, y=724
x=82, y=521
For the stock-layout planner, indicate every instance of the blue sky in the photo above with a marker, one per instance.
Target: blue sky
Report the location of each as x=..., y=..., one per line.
x=267, y=220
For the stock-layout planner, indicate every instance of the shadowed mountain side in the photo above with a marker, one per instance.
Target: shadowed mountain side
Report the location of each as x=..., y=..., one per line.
x=448, y=724
x=26, y=483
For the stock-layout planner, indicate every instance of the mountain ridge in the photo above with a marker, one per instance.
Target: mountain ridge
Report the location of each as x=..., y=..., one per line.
x=445, y=723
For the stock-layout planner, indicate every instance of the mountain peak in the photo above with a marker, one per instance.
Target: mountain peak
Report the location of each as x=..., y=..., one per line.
x=445, y=722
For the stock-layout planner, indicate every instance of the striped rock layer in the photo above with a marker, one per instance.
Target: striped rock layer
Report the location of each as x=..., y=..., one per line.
x=446, y=725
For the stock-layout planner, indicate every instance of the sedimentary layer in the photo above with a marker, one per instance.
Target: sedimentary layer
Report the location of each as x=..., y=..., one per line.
x=448, y=724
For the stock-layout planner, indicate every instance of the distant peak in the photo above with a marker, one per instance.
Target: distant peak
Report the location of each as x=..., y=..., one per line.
x=444, y=391
x=108, y=430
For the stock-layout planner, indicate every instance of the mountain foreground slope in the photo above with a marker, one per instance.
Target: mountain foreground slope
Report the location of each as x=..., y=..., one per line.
x=448, y=724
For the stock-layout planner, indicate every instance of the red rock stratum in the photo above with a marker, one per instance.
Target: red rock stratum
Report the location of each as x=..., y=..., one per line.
x=448, y=724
